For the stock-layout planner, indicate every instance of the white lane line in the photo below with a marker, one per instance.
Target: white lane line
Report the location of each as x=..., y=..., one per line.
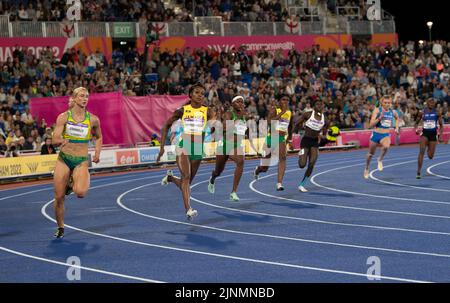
x=436, y=175
x=313, y=181
x=122, y=205
x=110, y=273
x=113, y=178
x=230, y=257
x=404, y=185
x=313, y=220
x=346, y=207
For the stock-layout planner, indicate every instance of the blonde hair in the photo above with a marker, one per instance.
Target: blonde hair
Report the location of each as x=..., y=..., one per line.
x=77, y=90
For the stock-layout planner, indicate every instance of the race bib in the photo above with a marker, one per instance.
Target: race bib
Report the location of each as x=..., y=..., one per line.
x=386, y=123
x=283, y=126
x=429, y=124
x=240, y=129
x=77, y=131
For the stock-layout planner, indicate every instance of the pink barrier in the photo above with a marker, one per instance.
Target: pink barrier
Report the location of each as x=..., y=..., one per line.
x=407, y=136
x=124, y=120
x=145, y=116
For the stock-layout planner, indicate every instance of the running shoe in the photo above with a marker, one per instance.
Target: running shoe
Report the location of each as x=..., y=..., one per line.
x=59, y=233
x=191, y=214
x=211, y=187
x=165, y=180
x=380, y=165
x=418, y=176
x=366, y=174
x=302, y=189
x=234, y=197
x=255, y=175
x=280, y=187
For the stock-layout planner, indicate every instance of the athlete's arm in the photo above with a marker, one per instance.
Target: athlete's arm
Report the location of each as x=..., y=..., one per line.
x=272, y=115
x=418, y=120
x=373, y=120
x=176, y=116
x=99, y=138
x=304, y=117
x=441, y=125
x=57, y=138
x=397, y=122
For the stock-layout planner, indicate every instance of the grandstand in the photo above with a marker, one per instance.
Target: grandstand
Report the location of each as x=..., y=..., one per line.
x=259, y=49
x=138, y=61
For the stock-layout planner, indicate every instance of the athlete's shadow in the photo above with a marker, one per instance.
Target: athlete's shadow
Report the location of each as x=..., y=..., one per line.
x=106, y=227
x=66, y=248
x=10, y=234
x=292, y=205
x=334, y=195
x=244, y=217
x=199, y=239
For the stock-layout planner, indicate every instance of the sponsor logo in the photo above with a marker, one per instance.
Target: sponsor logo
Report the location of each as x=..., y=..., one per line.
x=33, y=167
x=149, y=155
x=127, y=157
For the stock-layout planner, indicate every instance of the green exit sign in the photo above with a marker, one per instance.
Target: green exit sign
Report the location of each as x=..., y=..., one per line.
x=123, y=30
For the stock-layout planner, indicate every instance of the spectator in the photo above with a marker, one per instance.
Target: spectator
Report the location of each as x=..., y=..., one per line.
x=154, y=140
x=29, y=144
x=48, y=148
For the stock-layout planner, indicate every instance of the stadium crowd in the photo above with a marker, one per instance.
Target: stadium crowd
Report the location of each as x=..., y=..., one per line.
x=349, y=80
x=183, y=11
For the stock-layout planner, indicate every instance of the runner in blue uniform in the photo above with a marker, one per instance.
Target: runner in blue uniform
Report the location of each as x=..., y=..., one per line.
x=382, y=119
x=429, y=137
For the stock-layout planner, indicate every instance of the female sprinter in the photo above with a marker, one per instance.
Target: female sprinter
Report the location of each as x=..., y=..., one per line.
x=231, y=145
x=194, y=117
x=428, y=140
x=316, y=126
x=282, y=117
x=73, y=133
x=381, y=119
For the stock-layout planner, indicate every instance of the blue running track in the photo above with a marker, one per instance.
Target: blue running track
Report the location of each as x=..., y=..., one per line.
x=130, y=229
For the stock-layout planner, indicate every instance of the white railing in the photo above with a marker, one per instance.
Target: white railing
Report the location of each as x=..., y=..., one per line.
x=174, y=29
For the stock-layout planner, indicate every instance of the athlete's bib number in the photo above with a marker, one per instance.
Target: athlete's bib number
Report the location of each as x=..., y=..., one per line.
x=429, y=125
x=283, y=126
x=386, y=123
x=240, y=129
x=192, y=127
x=77, y=131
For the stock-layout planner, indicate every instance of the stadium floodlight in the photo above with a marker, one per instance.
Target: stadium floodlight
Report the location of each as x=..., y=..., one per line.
x=430, y=25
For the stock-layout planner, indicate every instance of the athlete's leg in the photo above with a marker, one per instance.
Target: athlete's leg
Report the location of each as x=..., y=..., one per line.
x=263, y=168
x=81, y=180
x=184, y=182
x=195, y=164
x=221, y=161
x=282, y=162
x=423, y=146
x=371, y=153
x=431, y=149
x=239, y=160
x=303, y=158
x=385, y=144
x=60, y=180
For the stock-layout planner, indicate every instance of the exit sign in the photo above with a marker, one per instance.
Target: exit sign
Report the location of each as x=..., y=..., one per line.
x=123, y=30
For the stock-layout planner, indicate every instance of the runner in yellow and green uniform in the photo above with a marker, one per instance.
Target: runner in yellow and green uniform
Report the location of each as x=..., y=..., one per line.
x=275, y=144
x=73, y=133
x=194, y=117
x=231, y=145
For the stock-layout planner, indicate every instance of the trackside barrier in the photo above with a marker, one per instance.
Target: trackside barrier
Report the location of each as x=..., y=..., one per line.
x=123, y=158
